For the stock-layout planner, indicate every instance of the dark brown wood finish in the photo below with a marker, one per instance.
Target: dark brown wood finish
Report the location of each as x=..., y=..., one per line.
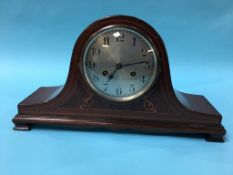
x=161, y=110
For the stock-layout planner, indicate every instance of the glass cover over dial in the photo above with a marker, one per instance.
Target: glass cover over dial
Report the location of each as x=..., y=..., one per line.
x=120, y=63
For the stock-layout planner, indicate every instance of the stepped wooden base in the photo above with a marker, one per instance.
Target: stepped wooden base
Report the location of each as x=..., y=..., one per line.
x=213, y=133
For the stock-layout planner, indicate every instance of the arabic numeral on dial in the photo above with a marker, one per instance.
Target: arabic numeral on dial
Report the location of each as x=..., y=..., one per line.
x=95, y=78
x=147, y=67
x=118, y=91
x=132, y=88
x=105, y=87
x=143, y=79
x=92, y=64
x=120, y=38
x=134, y=41
x=106, y=41
x=95, y=51
x=144, y=52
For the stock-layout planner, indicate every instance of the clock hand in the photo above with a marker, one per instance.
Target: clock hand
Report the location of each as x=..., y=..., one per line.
x=118, y=66
x=130, y=64
x=112, y=74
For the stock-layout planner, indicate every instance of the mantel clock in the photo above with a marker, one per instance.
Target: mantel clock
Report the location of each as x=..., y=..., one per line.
x=119, y=80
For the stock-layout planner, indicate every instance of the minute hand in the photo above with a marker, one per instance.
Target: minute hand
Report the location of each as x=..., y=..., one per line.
x=130, y=64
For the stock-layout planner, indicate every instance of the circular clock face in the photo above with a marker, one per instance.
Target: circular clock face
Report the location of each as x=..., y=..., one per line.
x=120, y=63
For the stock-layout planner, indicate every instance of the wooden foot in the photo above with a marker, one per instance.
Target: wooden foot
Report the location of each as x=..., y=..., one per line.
x=214, y=138
x=22, y=127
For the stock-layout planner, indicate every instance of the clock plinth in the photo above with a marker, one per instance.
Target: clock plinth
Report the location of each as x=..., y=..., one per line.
x=161, y=110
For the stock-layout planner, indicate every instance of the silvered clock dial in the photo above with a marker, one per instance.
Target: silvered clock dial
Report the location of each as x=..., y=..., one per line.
x=120, y=63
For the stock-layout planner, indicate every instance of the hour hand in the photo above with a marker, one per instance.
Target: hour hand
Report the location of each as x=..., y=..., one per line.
x=110, y=77
x=118, y=66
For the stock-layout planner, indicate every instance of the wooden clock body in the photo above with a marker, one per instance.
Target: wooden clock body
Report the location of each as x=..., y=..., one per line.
x=161, y=110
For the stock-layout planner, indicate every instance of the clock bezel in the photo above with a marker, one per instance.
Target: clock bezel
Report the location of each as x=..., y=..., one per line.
x=119, y=99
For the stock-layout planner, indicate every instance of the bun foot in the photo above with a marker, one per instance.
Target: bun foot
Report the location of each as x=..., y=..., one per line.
x=22, y=127
x=215, y=138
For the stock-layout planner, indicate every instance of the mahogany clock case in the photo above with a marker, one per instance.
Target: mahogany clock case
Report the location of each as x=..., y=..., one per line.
x=162, y=110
